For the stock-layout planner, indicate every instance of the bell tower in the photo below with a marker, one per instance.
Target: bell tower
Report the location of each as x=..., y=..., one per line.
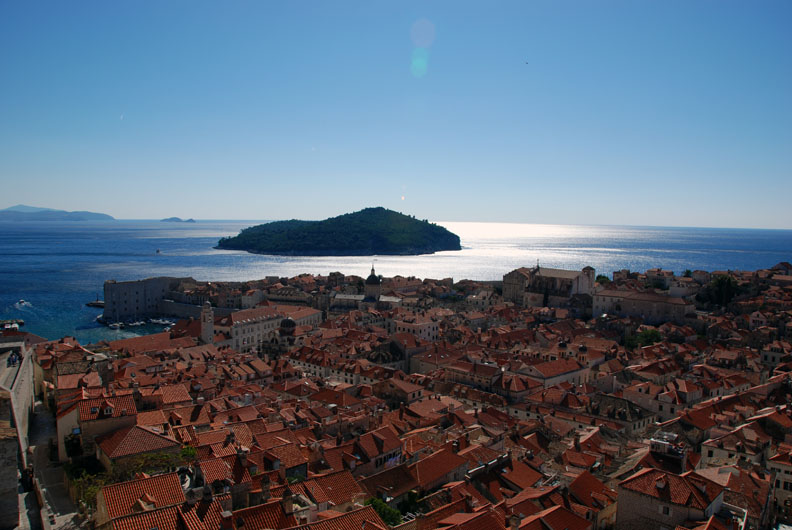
x=373, y=286
x=207, y=323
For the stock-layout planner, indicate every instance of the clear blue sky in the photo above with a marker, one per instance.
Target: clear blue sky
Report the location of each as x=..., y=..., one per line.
x=634, y=112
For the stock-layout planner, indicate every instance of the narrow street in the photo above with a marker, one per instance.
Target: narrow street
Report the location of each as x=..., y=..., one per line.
x=59, y=511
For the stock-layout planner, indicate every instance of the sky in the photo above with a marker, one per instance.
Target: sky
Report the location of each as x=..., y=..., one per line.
x=665, y=113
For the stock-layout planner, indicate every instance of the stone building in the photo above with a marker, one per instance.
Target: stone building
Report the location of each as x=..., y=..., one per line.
x=653, y=308
x=657, y=499
x=546, y=287
x=136, y=299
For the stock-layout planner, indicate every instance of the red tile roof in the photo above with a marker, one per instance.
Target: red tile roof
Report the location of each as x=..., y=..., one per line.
x=354, y=520
x=150, y=343
x=555, y=518
x=340, y=487
x=200, y=516
x=435, y=466
x=267, y=515
x=161, y=490
x=134, y=440
x=484, y=520
x=96, y=408
x=591, y=491
x=689, y=489
x=289, y=455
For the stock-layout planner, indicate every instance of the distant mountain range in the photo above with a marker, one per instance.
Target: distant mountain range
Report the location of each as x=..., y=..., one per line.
x=20, y=212
x=367, y=232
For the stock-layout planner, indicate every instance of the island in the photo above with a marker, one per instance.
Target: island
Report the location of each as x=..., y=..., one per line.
x=364, y=233
x=20, y=212
x=177, y=220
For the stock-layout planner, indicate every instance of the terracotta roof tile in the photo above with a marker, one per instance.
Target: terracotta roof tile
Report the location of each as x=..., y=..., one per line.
x=134, y=440
x=162, y=490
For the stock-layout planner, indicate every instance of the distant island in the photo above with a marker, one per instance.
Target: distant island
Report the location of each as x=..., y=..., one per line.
x=367, y=232
x=20, y=212
x=177, y=220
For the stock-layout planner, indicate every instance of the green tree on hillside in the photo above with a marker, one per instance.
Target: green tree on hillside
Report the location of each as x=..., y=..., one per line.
x=390, y=515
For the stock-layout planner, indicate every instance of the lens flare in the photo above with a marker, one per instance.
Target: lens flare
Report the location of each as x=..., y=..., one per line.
x=420, y=62
x=422, y=33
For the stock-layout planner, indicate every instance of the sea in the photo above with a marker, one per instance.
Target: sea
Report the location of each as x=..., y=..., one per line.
x=48, y=271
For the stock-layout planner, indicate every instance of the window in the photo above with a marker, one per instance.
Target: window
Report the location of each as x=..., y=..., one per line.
x=666, y=510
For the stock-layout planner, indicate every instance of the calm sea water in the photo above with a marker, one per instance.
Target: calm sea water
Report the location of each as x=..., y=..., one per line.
x=57, y=268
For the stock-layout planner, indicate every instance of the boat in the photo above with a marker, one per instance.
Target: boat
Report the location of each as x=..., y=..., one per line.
x=115, y=325
x=96, y=303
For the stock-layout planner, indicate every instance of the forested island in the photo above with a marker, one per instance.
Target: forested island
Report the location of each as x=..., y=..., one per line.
x=177, y=220
x=367, y=232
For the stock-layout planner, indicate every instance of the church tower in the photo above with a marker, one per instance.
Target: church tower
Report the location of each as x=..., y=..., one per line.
x=373, y=286
x=207, y=323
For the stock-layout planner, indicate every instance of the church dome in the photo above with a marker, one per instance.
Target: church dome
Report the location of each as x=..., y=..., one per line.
x=373, y=279
x=287, y=326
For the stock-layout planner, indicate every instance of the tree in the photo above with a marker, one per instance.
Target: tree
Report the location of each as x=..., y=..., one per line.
x=648, y=337
x=602, y=279
x=390, y=515
x=724, y=289
x=188, y=454
x=688, y=273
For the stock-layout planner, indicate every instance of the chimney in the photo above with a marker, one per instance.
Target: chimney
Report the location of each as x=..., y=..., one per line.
x=191, y=497
x=226, y=520
x=265, y=488
x=401, y=411
x=207, y=493
x=288, y=501
x=468, y=503
x=514, y=522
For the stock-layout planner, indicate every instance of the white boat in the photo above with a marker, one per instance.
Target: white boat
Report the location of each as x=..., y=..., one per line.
x=115, y=325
